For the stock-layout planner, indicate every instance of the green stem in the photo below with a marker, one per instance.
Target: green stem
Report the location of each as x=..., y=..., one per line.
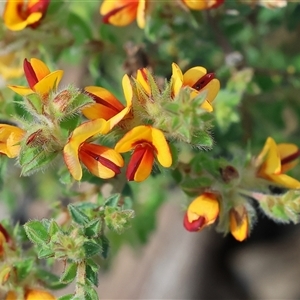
x=80, y=281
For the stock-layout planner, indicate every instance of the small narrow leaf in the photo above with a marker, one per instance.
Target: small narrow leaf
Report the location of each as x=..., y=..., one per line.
x=93, y=228
x=45, y=253
x=91, y=248
x=69, y=273
x=113, y=200
x=91, y=275
x=78, y=215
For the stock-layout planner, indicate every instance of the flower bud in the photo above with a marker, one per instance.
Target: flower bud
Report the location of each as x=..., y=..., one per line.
x=202, y=212
x=239, y=226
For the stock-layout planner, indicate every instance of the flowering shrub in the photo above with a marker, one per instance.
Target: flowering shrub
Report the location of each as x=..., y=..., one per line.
x=198, y=100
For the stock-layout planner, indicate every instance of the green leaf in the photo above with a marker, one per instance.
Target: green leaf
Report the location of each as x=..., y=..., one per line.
x=78, y=215
x=45, y=252
x=33, y=159
x=69, y=273
x=113, y=200
x=93, y=228
x=91, y=294
x=202, y=139
x=34, y=102
x=92, y=275
x=92, y=248
x=53, y=228
x=49, y=279
x=23, y=268
x=36, y=232
x=105, y=246
x=66, y=297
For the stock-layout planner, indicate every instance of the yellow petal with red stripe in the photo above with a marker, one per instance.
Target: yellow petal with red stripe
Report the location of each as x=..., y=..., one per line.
x=80, y=135
x=207, y=206
x=40, y=68
x=119, y=12
x=139, y=133
x=269, y=157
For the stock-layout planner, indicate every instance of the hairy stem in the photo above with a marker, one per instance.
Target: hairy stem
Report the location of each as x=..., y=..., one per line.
x=80, y=280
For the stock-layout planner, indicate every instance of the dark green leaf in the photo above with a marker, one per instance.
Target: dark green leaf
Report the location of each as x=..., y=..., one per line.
x=69, y=273
x=78, y=215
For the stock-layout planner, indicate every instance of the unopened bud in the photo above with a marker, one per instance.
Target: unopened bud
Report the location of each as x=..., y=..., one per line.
x=62, y=100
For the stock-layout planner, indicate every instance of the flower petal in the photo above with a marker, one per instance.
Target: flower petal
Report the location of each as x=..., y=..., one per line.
x=142, y=79
x=269, y=157
x=163, y=153
x=285, y=180
x=48, y=83
x=40, y=68
x=128, y=141
x=101, y=161
x=140, y=164
x=21, y=90
x=176, y=79
x=14, y=20
x=119, y=13
x=207, y=206
x=71, y=158
x=191, y=76
x=141, y=13
x=239, y=226
x=80, y=135
x=10, y=137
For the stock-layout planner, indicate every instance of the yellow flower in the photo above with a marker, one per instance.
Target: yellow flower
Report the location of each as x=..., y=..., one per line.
x=101, y=161
x=274, y=160
x=10, y=137
x=31, y=294
x=239, y=224
x=4, y=238
x=202, y=4
x=19, y=14
x=123, y=12
x=199, y=80
x=202, y=212
x=39, y=78
x=147, y=144
x=107, y=106
x=11, y=66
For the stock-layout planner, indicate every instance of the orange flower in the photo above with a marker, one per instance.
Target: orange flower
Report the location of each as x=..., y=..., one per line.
x=31, y=294
x=4, y=238
x=147, y=144
x=202, y=212
x=239, y=224
x=101, y=161
x=202, y=4
x=10, y=138
x=107, y=106
x=274, y=160
x=19, y=14
x=39, y=78
x=123, y=12
x=199, y=80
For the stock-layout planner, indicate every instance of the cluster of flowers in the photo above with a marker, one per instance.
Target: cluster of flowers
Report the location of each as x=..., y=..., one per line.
x=231, y=204
x=19, y=14
x=39, y=141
